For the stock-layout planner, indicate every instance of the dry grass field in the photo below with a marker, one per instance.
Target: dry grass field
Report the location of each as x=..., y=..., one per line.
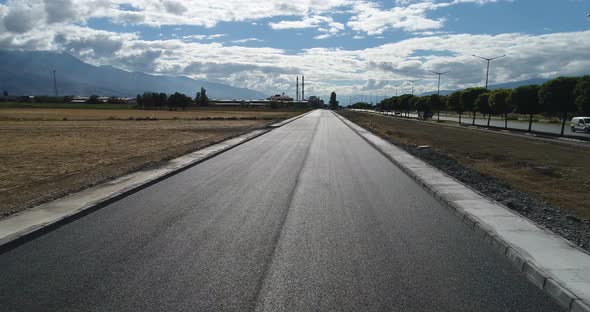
x=512, y=159
x=19, y=114
x=44, y=157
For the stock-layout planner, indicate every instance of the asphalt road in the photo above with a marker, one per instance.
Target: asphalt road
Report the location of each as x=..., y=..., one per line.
x=308, y=217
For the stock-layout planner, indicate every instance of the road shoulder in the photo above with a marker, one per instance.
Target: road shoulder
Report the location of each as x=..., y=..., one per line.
x=554, y=264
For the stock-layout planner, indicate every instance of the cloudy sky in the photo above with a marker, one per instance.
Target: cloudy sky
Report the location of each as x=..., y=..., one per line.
x=347, y=46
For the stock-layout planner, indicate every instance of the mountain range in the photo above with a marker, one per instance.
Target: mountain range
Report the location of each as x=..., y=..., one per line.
x=30, y=73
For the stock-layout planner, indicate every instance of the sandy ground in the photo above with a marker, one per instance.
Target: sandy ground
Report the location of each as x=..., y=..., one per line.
x=45, y=160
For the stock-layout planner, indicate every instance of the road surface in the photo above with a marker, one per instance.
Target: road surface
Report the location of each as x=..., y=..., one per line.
x=308, y=217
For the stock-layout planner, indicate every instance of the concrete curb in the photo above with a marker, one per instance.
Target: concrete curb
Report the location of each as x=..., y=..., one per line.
x=558, y=267
x=32, y=223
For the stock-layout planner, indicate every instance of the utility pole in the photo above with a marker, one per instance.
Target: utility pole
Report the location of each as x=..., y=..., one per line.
x=412, y=81
x=54, y=83
x=297, y=87
x=438, y=73
x=488, y=59
x=303, y=88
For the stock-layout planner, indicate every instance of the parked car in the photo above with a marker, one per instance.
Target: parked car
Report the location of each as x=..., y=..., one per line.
x=581, y=124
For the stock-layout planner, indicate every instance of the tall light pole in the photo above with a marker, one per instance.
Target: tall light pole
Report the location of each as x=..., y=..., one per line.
x=488, y=59
x=438, y=73
x=412, y=81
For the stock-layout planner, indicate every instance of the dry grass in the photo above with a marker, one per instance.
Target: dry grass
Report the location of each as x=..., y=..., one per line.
x=44, y=160
x=105, y=114
x=512, y=159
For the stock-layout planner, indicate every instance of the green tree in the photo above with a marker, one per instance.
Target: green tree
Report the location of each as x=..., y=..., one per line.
x=468, y=97
x=403, y=103
x=526, y=101
x=139, y=100
x=437, y=103
x=423, y=106
x=5, y=93
x=482, y=104
x=557, y=96
x=499, y=104
x=315, y=102
x=333, y=103
x=203, y=99
x=198, y=99
x=582, y=94
x=148, y=100
x=93, y=99
x=162, y=100
x=454, y=103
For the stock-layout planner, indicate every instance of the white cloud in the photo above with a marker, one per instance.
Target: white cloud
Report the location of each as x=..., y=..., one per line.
x=324, y=36
x=371, y=19
x=203, y=37
x=37, y=27
x=248, y=40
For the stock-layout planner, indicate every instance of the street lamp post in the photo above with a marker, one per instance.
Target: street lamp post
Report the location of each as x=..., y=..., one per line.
x=488, y=67
x=412, y=81
x=439, y=74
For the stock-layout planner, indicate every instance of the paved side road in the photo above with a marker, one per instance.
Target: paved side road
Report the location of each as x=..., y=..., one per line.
x=306, y=217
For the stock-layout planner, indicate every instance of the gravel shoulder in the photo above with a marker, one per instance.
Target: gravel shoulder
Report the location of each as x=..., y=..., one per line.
x=509, y=170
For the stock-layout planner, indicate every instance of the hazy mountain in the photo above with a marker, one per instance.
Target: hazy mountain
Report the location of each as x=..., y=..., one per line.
x=30, y=73
x=508, y=85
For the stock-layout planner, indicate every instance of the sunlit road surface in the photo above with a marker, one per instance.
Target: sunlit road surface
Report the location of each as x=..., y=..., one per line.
x=308, y=217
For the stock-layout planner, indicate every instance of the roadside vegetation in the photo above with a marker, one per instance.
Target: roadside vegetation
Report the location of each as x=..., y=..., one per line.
x=546, y=181
x=560, y=98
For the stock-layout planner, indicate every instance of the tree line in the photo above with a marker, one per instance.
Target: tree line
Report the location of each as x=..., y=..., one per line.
x=559, y=97
x=153, y=100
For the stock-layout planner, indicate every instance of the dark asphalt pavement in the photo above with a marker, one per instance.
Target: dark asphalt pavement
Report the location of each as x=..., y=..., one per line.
x=308, y=217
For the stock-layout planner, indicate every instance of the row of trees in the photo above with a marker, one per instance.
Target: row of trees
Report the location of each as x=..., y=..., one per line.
x=152, y=100
x=558, y=97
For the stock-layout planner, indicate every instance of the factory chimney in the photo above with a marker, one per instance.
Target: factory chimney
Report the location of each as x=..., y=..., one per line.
x=297, y=97
x=303, y=88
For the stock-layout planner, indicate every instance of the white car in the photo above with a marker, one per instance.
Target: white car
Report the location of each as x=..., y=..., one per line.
x=581, y=124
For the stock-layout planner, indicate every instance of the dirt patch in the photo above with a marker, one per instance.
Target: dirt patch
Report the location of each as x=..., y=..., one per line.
x=44, y=160
x=547, y=182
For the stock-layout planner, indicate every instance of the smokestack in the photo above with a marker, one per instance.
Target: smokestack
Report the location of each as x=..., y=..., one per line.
x=303, y=88
x=297, y=97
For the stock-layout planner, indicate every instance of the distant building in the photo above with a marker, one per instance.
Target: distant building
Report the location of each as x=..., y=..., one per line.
x=79, y=99
x=281, y=98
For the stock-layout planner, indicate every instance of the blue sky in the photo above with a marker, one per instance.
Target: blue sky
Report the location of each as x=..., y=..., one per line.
x=348, y=46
